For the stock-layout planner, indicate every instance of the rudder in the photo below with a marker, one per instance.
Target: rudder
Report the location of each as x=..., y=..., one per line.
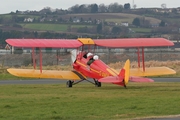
x=125, y=72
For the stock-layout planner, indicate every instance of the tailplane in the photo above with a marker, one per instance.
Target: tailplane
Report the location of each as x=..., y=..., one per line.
x=121, y=79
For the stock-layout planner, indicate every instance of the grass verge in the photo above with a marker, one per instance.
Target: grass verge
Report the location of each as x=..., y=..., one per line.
x=84, y=101
x=7, y=76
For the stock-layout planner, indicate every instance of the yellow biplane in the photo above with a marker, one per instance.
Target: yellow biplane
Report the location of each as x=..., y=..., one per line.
x=87, y=65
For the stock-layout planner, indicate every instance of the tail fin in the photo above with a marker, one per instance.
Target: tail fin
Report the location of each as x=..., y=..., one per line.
x=124, y=73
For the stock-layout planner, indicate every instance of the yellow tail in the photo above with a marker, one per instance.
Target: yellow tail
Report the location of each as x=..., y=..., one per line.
x=127, y=71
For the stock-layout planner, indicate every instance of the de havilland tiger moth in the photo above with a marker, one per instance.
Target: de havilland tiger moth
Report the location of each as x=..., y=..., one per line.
x=87, y=65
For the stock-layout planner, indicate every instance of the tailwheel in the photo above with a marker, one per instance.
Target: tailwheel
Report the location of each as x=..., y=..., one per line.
x=124, y=84
x=97, y=83
x=69, y=83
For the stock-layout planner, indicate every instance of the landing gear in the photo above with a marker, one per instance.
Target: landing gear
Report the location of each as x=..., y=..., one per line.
x=97, y=83
x=69, y=83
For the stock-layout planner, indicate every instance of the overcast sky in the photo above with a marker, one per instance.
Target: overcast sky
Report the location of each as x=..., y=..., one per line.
x=7, y=6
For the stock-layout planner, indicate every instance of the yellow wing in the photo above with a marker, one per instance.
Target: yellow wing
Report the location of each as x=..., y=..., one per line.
x=152, y=71
x=54, y=74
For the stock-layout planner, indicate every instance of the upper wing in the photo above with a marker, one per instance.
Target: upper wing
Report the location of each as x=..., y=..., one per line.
x=54, y=74
x=73, y=43
x=43, y=43
x=133, y=42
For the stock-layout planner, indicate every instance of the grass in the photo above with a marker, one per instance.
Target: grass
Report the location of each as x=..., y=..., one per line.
x=80, y=26
x=52, y=27
x=10, y=16
x=121, y=17
x=84, y=101
x=172, y=20
x=7, y=76
x=141, y=30
x=46, y=27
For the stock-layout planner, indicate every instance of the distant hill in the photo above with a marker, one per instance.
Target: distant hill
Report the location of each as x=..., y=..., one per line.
x=151, y=23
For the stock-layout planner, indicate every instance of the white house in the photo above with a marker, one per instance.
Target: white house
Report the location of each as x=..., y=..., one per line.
x=126, y=24
x=28, y=19
x=76, y=20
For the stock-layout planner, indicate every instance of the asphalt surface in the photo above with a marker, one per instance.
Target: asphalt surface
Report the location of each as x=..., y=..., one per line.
x=54, y=81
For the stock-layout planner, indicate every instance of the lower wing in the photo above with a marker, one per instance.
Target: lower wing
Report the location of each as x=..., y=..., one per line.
x=138, y=75
x=152, y=71
x=54, y=74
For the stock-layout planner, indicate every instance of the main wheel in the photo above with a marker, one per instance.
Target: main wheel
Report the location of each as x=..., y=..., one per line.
x=97, y=84
x=69, y=83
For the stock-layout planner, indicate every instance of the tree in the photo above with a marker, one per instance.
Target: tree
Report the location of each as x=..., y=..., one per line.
x=81, y=20
x=17, y=11
x=174, y=10
x=84, y=9
x=70, y=19
x=162, y=23
x=116, y=30
x=136, y=22
x=94, y=8
x=99, y=28
x=127, y=6
x=74, y=9
x=83, y=30
x=102, y=8
x=115, y=8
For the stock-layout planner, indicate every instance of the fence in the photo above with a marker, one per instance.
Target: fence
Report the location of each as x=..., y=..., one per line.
x=106, y=55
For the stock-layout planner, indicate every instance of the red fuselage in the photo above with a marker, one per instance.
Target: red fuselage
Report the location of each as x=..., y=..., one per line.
x=92, y=68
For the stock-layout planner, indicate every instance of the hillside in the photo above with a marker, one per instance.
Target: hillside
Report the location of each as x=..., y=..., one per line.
x=51, y=23
x=112, y=17
x=132, y=23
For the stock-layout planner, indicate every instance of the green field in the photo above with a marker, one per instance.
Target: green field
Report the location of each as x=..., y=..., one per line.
x=80, y=26
x=7, y=76
x=46, y=27
x=86, y=102
x=11, y=15
x=52, y=27
x=121, y=17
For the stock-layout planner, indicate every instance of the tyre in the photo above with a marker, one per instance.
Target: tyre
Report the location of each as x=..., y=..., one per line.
x=98, y=84
x=69, y=83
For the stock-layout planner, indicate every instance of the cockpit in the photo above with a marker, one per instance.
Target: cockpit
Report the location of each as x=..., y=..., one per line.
x=91, y=58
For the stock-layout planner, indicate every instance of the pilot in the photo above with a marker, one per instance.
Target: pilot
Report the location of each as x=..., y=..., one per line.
x=96, y=57
x=89, y=54
x=91, y=60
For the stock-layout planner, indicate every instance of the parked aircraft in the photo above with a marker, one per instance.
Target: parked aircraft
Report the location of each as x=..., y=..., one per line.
x=86, y=64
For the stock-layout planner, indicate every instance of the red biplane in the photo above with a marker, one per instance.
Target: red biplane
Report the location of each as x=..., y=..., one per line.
x=86, y=65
